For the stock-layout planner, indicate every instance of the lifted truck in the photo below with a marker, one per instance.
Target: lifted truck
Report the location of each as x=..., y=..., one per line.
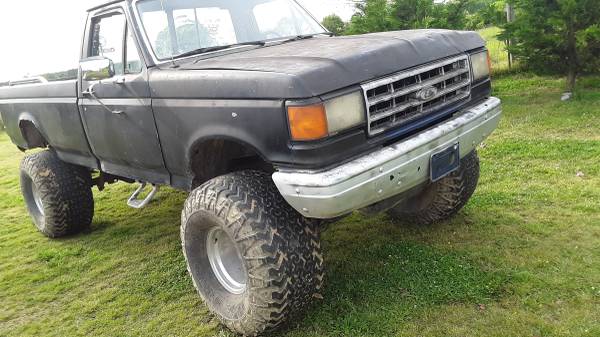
x=271, y=123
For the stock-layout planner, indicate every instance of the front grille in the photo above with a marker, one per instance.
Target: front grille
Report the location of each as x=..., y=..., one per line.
x=404, y=97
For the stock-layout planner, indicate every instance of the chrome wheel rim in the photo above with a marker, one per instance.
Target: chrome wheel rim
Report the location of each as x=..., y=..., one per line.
x=37, y=198
x=225, y=261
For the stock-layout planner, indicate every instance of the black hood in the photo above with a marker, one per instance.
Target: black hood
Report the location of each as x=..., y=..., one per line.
x=316, y=66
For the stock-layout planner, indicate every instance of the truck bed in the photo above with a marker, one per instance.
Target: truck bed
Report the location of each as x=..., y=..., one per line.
x=53, y=108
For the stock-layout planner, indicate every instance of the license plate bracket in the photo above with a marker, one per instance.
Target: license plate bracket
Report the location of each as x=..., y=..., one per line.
x=445, y=162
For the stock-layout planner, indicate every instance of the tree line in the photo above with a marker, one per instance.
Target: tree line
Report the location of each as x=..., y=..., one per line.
x=547, y=36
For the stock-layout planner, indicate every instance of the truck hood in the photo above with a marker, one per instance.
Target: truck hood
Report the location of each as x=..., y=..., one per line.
x=316, y=66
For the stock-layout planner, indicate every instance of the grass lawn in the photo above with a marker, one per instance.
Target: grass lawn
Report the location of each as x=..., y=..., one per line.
x=496, y=48
x=522, y=259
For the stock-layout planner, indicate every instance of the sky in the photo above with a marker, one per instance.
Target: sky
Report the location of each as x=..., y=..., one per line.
x=38, y=36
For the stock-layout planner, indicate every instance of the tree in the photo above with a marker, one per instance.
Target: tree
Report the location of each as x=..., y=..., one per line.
x=485, y=13
x=455, y=13
x=414, y=14
x=383, y=15
x=61, y=75
x=557, y=35
x=334, y=24
x=372, y=16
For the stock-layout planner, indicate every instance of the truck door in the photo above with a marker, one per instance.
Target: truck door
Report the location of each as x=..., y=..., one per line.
x=117, y=111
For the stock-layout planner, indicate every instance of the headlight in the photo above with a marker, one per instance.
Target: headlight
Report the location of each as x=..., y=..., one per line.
x=326, y=119
x=345, y=112
x=481, y=65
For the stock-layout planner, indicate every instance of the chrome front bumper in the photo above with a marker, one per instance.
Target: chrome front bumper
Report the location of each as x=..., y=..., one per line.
x=387, y=172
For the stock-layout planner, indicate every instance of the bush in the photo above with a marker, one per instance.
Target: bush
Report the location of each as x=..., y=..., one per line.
x=560, y=36
x=383, y=15
x=334, y=24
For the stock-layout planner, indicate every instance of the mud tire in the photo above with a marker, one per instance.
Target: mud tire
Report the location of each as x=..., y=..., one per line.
x=58, y=195
x=441, y=200
x=278, y=248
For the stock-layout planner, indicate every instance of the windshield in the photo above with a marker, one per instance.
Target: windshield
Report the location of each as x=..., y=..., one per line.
x=175, y=27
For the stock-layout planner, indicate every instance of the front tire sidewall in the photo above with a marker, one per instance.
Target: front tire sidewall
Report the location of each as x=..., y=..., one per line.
x=194, y=237
x=279, y=249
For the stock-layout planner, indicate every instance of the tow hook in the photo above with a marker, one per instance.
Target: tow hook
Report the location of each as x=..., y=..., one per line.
x=136, y=203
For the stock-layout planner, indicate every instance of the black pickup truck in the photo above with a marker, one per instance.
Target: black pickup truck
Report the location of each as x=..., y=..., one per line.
x=273, y=125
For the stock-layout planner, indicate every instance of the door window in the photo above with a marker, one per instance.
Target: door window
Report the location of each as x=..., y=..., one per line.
x=107, y=39
x=133, y=61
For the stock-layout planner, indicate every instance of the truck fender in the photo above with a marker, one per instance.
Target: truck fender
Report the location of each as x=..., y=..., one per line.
x=214, y=155
x=31, y=132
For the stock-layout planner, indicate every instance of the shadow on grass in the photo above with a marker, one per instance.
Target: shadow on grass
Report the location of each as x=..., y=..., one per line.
x=379, y=276
x=376, y=280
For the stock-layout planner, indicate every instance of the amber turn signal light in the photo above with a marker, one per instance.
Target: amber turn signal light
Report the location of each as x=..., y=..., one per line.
x=308, y=122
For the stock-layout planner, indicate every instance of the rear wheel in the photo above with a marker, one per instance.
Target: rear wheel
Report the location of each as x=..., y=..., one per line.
x=58, y=195
x=254, y=260
x=442, y=199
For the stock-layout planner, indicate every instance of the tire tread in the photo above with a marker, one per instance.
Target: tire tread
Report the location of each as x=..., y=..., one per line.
x=65, y=191
x=449, y=196
x=281, y=247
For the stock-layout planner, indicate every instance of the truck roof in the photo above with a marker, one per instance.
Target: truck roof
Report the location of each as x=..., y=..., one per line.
x=104, y=5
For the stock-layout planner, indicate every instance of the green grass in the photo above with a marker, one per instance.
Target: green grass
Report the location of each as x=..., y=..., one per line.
x=498, y=53
x=522, y=259
x=496, y=48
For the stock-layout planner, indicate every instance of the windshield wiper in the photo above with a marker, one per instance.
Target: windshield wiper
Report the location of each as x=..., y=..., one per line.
x=305, y=37
x=217, y=48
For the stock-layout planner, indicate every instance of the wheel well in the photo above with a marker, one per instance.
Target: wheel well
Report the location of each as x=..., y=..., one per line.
x=215, y=157
x=32, y=135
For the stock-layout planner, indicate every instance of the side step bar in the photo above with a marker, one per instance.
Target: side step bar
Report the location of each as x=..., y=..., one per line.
x=136, y=203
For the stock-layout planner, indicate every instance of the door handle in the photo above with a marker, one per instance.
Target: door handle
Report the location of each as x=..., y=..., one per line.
x=90, y=92
x=120, y=80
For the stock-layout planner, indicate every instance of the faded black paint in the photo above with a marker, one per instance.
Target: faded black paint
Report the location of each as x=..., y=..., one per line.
x=172, y=108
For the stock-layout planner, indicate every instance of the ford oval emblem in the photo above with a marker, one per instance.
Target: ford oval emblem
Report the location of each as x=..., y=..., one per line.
x=427, y=93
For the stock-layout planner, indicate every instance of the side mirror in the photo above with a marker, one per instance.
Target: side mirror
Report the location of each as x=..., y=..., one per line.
x=97, y=69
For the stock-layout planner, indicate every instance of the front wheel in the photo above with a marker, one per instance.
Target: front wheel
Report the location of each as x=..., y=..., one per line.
x=254, y=260
x=58, y=195
x=442, y=199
